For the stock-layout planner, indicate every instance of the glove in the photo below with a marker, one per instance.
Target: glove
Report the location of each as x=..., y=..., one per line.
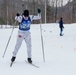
x=17, y=14
x=39, y=11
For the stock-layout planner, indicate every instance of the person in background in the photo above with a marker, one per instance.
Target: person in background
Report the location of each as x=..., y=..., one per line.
x=61, y=26
x=24, y=33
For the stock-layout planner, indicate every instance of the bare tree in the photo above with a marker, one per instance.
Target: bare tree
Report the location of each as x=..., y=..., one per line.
x=9, y=8
x=69, y=12
x=73, y=10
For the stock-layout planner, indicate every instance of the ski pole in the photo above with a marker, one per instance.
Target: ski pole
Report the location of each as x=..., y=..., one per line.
x=8, y=41
x=42, y=41
x=39, y=11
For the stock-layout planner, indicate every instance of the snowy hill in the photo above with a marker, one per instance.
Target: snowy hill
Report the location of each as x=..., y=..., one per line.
x=59, y=51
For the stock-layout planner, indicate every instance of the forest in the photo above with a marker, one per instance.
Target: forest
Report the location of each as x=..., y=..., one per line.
x=51, y=10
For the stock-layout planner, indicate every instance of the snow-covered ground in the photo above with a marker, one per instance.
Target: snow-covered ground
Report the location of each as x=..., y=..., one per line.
x=59, y=51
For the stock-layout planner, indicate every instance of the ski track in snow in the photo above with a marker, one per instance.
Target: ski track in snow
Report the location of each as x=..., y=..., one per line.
x=60, y=51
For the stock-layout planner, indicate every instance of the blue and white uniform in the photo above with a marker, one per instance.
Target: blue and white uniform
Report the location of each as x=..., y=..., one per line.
x=24, y=33
x=25, y=24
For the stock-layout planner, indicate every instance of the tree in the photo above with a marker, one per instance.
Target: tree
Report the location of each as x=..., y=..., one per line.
x=73, y=10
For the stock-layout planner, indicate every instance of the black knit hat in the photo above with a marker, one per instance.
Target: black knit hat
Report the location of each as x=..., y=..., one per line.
x=26, y=13
x=17, y=14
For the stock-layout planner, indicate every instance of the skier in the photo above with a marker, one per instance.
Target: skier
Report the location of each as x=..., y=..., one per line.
x=24, y=32
x=61, y=26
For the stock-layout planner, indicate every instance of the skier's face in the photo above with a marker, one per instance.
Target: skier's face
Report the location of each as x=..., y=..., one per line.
x=26, y=17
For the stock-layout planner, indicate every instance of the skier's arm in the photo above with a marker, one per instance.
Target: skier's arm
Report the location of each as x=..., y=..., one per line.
x=36, y=17
x=18, y=18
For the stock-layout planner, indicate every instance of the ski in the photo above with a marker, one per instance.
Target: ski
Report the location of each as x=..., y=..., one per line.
x=32, y=64
x=11, y=64
x=26, y=62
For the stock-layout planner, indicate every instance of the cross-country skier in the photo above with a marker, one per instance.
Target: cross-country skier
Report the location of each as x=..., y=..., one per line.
x=24, y=32
x=61, y=26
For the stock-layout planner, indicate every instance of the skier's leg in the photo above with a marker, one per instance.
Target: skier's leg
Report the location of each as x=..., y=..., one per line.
x=28, y=44
x=17, y=46
x=18, y=43
x=60, y=31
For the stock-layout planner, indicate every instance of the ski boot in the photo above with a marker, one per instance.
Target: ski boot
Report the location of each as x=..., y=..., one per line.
x=29, y=60
x=61, y=35
x=13, y=59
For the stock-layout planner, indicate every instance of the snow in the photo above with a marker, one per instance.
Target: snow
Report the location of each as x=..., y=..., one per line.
x=59, y=51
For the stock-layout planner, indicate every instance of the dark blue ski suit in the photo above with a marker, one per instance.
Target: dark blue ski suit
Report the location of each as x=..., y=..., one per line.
x=61, y=26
